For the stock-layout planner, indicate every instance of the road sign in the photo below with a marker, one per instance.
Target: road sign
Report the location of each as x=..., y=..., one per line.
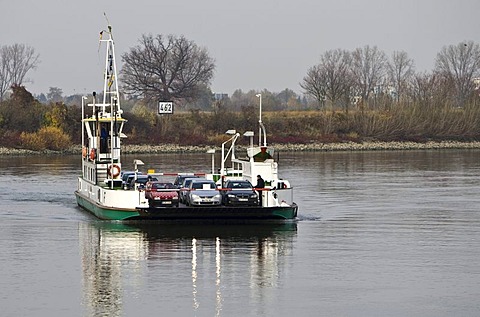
x=165, y=107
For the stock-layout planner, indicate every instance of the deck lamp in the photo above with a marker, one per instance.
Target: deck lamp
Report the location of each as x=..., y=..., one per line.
x=212, y=151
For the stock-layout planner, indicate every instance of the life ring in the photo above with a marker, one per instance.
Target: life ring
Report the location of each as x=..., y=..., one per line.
x=113, y=170
x=84, y=151
x=92, y=154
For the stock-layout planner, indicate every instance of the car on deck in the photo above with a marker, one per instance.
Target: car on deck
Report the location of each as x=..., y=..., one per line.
x=140, y=181
x=239, y=193
x=125, y=176
x=161, y=194
x=181, y=177
x=184, y=188
x=203, y=192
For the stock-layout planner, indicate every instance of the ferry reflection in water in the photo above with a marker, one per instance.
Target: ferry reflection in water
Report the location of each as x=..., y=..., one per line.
x=119, y=259
x=109, y=252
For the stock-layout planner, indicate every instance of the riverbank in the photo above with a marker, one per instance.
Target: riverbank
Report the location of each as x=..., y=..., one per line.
x=319, y=147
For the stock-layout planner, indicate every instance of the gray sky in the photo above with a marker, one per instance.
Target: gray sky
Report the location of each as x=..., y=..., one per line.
x=257, y=44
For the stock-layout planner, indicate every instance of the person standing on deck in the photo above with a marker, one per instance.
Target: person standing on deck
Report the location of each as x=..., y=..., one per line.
x=260, y=184
x=103, y=140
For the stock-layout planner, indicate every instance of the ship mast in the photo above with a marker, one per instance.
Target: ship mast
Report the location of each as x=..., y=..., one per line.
x=103, y=129
x=110, y=84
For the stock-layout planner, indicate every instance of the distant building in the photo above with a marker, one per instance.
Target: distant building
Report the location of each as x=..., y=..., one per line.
x=476, y=82
x=220, y=96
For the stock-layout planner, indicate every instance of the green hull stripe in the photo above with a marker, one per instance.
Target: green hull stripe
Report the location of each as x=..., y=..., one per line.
x=105, y=212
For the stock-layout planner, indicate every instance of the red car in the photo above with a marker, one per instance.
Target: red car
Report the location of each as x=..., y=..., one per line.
x=161, y=194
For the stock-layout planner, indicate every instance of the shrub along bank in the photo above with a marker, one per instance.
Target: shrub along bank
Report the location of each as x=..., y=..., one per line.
x=56, y=126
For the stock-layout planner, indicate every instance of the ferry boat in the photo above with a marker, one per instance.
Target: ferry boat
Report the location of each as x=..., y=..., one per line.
x=100, y=189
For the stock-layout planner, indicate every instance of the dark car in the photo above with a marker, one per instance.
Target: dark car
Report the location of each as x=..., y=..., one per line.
x=239, y=192
x=161, y=194
x=141, y=181
x=180, y=178
x=125, y=176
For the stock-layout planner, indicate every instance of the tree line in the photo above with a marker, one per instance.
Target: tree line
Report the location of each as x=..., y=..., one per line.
x=27, y=123
x=363, y=94
x=367, y=77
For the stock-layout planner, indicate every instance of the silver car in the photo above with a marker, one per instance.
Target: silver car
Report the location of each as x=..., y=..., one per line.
x=203, y=193
x=185, y=188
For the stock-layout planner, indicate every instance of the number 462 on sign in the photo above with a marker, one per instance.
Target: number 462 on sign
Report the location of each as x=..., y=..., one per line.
x=165, y=107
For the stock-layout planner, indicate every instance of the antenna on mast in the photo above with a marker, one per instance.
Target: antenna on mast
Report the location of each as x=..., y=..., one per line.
x=106, y=18
x=108, y=25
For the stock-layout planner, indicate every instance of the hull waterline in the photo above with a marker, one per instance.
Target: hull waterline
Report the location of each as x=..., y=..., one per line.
x=220, y=213
x=103, y=212
x=187, y=213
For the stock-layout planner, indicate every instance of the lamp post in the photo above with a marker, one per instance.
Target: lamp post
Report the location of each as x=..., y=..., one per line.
x=137, y=163
x=260, y=97
x=212, y=151
x=84, y=100
x=262, y=127
x=260, y=121
x=234, y=137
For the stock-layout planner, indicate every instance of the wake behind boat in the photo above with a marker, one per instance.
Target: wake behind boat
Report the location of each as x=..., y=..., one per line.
x=213, y=196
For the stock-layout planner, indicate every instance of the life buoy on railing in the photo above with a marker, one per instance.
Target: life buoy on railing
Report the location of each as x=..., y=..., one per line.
x=84, y=151
x=92, y=154
x=113, y=170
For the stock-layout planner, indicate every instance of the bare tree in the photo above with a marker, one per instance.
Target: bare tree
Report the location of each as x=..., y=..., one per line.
x=423, y=87
x=15, y=62
x=400, y=71
x=368, y=66
x=171, y=68
x=336, y=66
x=460, y=64
x=5, y=76
x=314, y=84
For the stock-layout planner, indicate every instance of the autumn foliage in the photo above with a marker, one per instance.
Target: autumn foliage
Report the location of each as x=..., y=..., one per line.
x=26, y=123
x=47, y=138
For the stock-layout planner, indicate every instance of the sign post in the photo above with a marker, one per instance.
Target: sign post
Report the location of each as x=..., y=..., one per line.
x=165, y=107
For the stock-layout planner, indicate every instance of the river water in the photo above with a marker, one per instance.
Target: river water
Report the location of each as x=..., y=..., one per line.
x=378, y=234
